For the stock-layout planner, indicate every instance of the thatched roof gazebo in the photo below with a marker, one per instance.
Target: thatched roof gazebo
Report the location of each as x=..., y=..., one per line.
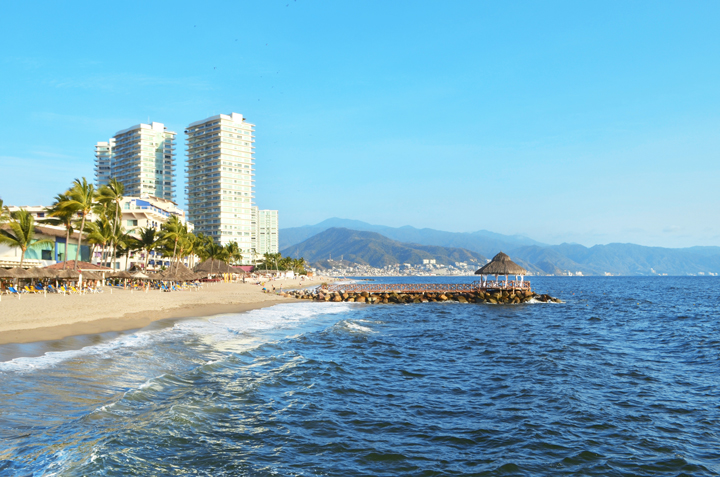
x=502, y=265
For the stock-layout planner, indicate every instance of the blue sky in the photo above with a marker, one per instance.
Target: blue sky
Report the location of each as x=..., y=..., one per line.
x=564, y=121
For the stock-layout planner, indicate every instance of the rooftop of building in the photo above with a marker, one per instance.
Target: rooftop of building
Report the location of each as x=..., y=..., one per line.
x=155, y=126
x=236, y=117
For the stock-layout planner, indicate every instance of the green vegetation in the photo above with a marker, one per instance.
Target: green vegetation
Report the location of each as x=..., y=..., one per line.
x=21, y=233
x=277, y=262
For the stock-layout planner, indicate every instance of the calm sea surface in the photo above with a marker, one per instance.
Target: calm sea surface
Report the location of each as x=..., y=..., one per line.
x=622, y=379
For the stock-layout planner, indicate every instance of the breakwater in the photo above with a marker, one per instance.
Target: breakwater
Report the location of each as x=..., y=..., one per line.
x=505, y=297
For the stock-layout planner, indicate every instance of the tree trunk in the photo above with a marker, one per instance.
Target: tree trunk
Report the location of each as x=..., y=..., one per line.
x=103, y=254
x=115, y=231
x=22, y=255
x=177, y=260
x=147, y=258
x=67, y=242
x=174, y=251
x=114, y=249
x=77, y=252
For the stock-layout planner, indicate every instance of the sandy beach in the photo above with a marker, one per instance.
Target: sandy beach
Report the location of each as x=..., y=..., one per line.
x=39, y=318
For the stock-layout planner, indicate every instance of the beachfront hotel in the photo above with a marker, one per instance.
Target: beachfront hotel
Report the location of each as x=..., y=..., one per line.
x=220, y=185
x=142, y=157
x=136, y=213
x=266, y=231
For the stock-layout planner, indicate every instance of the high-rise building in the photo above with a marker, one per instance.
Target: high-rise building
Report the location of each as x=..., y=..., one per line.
x=142, y=158
x=220, y=185
x=103, y=162
x=266, y=231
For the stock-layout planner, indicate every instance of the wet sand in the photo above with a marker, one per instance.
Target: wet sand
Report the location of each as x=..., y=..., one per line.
x=39, y=318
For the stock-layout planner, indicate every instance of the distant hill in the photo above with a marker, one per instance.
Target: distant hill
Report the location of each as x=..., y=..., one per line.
x=371, y=248
x=538, y=258
x=483, y=242
x=627, y=259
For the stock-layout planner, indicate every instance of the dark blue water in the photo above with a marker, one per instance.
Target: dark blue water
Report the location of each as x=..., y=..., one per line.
x=622, y=379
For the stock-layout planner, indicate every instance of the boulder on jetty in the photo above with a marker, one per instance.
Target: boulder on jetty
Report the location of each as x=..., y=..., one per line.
x=498, y=297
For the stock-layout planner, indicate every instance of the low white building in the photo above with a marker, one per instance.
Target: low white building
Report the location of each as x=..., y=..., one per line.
x=46, y=255
x=137, y=213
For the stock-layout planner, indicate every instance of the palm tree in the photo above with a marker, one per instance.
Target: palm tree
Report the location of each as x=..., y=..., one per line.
x=112, y=193
x=254, y=257
x=272, y=257
x=202, y=241
x=100, y=233
x=215, y=252
x=298, y=265
x=4, y=214
x=233, y=251
x=186, y=242
x=148, y=240
x=22, y=233
x=59, y=215
x=81, y=199
x=172, y=231
x=126, y=244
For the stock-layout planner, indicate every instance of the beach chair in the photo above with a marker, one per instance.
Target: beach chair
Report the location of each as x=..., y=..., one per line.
x=52, y=289
x=75, y=290
x=39, y=288
x=27, y=289
x=12, y=291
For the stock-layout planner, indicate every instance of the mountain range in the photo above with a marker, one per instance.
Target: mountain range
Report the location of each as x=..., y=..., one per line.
x=483, y=242
x=371, y=248
x=406, y=244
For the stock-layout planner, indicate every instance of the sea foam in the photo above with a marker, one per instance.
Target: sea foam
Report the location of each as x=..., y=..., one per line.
x=211, y=330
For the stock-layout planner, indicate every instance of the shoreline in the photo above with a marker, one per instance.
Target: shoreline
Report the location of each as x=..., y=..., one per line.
x=33, y=319
x=128, y=322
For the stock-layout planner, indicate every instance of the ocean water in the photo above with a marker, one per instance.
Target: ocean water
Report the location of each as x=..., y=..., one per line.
x=621, y=379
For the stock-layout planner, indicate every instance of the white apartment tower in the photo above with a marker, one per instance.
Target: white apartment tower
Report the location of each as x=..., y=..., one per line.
x=220, y=185
x=266, y=231
x=142, y=158
x=103, y=162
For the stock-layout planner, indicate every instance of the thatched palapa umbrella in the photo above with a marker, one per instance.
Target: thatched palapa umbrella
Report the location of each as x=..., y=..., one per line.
x=502, y=265
x=44, y=272
x=68, y=274
x=8, y=273
x=91, y=276
x=214, y=267
x=21, y=273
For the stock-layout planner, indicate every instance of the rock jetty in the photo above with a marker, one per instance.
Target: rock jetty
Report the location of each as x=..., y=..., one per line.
x=504, y=297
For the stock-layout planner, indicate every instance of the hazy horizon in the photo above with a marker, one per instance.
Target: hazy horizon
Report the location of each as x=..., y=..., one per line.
x=560, y=121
